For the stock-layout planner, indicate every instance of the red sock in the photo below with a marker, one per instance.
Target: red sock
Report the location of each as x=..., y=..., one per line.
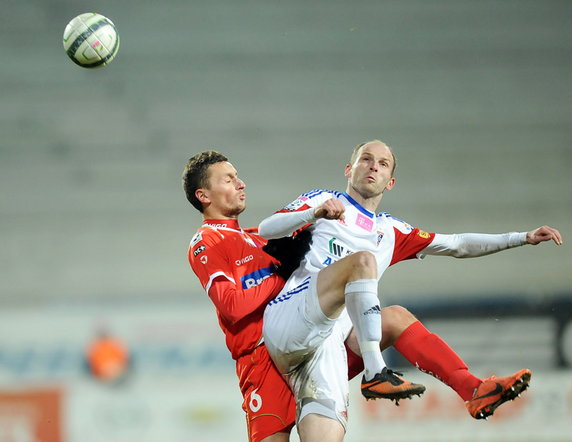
x=355, y=363
x=429, y=353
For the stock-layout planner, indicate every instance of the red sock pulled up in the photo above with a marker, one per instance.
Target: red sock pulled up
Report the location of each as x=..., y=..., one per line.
x=429, y=353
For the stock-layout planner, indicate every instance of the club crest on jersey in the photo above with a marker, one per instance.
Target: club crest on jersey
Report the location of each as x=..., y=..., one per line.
x=379, y=236
x=423, y=234
x=296, y=204
x=200, y=249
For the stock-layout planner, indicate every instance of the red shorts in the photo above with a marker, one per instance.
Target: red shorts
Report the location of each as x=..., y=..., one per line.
x=268, y=401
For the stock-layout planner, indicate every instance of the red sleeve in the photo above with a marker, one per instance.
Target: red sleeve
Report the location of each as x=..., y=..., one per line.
x=234, y=303
x=211, y=263
x=407, y=245
x=208, y=257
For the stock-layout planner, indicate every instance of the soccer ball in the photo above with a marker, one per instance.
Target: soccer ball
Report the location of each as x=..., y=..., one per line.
x=91, y=40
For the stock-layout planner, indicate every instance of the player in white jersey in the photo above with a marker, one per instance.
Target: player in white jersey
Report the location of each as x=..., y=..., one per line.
x=305, y=326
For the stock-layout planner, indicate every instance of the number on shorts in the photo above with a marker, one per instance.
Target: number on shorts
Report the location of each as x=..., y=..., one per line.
x=255, y=403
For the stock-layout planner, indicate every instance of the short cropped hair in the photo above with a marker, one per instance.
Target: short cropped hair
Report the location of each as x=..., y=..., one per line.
x=356, y=150
x=195, y=175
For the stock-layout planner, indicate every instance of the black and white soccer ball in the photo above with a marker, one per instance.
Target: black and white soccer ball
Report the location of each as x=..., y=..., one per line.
x=91, y=40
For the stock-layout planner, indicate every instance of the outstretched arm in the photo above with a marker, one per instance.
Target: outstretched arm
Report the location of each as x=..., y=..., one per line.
x=285, y=223
x=469, y=245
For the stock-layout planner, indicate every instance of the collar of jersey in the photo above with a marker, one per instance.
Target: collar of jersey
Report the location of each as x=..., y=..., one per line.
x=358, y=205
x=222, y=223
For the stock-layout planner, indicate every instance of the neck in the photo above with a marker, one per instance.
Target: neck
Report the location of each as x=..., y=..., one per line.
x=214, y=214
x=369, y=203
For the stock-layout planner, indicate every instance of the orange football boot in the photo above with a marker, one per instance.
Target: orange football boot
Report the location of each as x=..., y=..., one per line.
x=494, y=392
x=387, y=385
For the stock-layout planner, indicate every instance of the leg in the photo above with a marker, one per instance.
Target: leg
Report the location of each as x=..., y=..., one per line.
x=267, y=399
x=317, y=428
x=333, y=279
x=352, y=282
x=423, y=349
x=308, y=349
x=321, y=389
x=394, y=319
x=355, y=275
x=431, y=354
x=277, y=437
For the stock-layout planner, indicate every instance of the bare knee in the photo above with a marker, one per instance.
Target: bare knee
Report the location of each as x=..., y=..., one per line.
x=364, y=265
x=395, y=319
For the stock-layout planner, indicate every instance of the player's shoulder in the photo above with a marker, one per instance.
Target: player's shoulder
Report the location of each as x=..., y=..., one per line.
x=310, y=199
x=388, y=219
x=317, y=196
x=321, y=192
x=206, y=234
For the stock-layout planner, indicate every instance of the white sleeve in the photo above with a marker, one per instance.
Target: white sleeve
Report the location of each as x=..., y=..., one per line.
x=285, y=223
x=470, y=245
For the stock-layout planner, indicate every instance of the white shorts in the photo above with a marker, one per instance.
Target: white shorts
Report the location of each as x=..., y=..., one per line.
x=308, y=349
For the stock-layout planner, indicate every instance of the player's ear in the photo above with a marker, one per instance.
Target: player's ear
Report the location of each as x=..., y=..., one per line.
x=202, y=196
x=390, y=184
x=348, y=170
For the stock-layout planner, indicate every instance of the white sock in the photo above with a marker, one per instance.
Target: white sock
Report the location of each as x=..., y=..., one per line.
x=364, y=310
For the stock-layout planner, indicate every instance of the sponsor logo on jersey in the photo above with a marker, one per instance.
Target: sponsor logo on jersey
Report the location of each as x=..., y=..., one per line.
x=244, y=260
x=328, y=261
x=255, y=278
x=337, y=249
x=216, y=226
x=196, y=238
x=364, y=222
x=296, y=204
x=204, y=259
x=423, y=234
x=200, y=249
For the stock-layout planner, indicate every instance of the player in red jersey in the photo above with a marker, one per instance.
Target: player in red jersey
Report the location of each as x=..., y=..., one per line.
x=240, y=278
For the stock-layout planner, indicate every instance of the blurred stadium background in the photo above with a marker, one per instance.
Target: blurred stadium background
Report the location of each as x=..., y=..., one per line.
x=475, y=98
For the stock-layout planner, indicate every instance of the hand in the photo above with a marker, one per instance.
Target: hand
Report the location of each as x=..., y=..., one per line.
x=542, y=234
x=330, y=209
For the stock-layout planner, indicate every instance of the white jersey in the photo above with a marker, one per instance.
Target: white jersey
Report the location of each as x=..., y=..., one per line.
x=389, y=239
x=306, y=345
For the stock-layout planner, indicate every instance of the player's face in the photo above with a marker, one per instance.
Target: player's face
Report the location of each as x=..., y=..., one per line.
x=371, y=172
x=225, y=196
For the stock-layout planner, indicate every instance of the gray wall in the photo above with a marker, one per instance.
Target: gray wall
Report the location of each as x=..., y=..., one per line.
x=474, y=97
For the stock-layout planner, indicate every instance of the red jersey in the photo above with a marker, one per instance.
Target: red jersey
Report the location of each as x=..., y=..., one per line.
x=238, y=277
